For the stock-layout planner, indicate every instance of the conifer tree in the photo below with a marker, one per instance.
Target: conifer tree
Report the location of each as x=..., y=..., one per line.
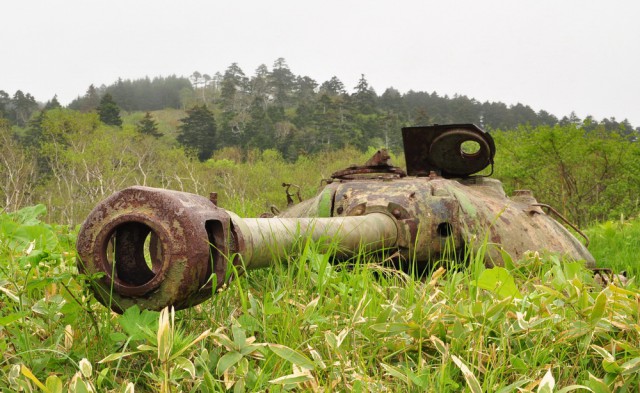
x=109, y=111
x=198, y=131
x=52, y=104
x=88, y=102
x=24, y=105
x=364, y=96
x=148, y=126
x=5, y=101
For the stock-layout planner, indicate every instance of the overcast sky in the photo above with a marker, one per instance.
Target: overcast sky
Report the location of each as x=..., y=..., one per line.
x=557, y=55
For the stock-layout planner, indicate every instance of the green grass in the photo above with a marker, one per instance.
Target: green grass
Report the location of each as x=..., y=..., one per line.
x=616, y=244
x=539, y=324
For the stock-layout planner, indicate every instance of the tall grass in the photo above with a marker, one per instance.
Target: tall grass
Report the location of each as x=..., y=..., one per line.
x=616, y=244
x=540, y=324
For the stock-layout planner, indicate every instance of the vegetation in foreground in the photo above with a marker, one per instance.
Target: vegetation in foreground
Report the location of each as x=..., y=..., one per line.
x=539, y=324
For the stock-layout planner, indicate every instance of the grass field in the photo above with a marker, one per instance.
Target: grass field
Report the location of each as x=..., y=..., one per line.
x=616, y=244
x=537, y=325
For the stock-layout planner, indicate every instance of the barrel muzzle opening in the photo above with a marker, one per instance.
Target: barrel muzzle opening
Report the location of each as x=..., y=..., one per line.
x=132, y=253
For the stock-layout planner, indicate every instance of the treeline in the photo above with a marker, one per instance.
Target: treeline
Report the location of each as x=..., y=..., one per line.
x=294, y=114
x=138, y=95
x=77, y=160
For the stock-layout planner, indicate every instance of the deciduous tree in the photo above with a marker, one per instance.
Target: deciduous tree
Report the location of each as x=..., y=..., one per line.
x=17, y=172
x=586, y=175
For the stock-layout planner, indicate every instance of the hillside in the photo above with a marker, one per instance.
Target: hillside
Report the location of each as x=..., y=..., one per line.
x=295, y=114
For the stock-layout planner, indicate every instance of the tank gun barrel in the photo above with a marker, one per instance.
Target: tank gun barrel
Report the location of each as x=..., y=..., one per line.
x=154, y=247
x=269, y=239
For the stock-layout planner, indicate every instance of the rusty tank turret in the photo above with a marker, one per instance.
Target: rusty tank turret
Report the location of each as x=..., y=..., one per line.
x=437, y=206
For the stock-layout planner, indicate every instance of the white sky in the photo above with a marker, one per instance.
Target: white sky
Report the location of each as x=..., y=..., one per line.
x=557, y=55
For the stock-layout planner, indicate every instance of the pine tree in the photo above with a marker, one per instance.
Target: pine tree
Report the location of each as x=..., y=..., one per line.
x=5, y=102
x=260, y=131
x=89, y=101
x=24, y=105
x=282, y=82
x=109, y=111
x=34, y=132
x=233, y=85
x=198, y=131
x=52, y=104
x=364, y=96
x=148, y=126
x=333, y=87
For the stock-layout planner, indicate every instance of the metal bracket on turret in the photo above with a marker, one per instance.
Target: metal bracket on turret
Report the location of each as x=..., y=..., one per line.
x=378, y=166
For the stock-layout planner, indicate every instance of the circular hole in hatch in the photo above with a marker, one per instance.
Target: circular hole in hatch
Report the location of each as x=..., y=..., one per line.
x=445, y=229
x=470, y=148
x=134, y=253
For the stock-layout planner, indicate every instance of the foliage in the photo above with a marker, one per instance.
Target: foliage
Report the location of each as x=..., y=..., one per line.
x=44, y=308
x=589, y=171
x=615, y=243
x=17, y=171
x=76, y=162
x=586, y=175
x=539, y=324
x=69, y=155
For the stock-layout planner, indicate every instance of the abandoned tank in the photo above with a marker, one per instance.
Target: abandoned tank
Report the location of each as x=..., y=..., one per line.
x=156, y=247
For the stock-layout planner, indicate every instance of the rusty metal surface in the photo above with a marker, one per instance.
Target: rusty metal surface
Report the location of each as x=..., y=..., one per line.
x=565, y=220
x=377, y=166
x=155, y=248
x=439, y=148
x=438, y=215
x=380, y=158
x=287, y=187
x=152, y=247
x=512, y=225
x=428, y=221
